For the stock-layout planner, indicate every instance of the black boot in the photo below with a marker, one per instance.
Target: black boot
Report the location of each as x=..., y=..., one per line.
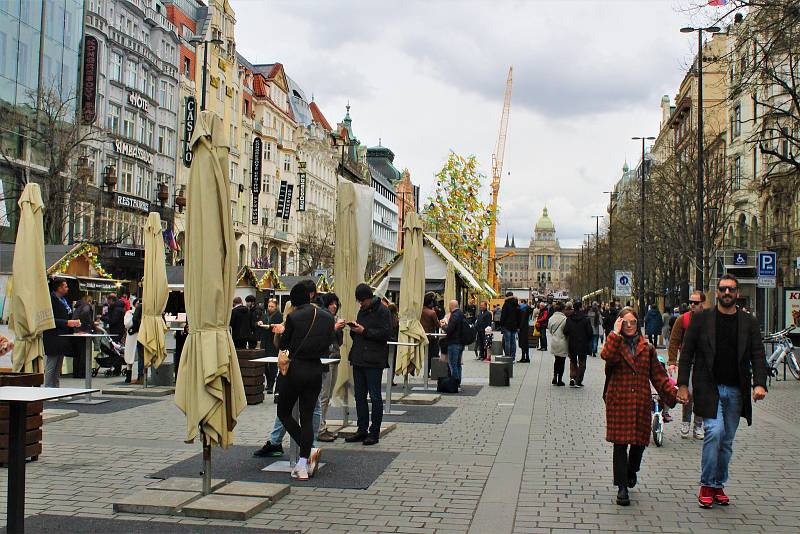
x=127, y=376
x=622, y=496
x=555, y=380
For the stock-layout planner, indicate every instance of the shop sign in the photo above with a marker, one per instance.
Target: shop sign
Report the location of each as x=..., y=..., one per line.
x=791, y=306
x=281, y=199
x=287, y=207
x=132, y=253
x=135, y=203
x=89, y=83
x=138, y=101
x=256, y=178
x=133, y=151
x=189, y=116
x=301, y=187
x=97, y=285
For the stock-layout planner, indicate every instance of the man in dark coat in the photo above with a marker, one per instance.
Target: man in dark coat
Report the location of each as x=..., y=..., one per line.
x=240, y=324
x=578, y=332
x=525, y=312
x=509, y=323
x=369, y=356
x=55, y=346
x=723, y=352
x=115, y=317
x=255, y=317
x=454, y=328
x=483, y=320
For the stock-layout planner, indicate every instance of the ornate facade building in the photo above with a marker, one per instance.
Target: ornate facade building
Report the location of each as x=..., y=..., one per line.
x=542, y=266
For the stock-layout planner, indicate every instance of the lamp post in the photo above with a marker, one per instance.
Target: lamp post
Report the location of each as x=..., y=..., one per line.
x=597, y=250
x=642, y=169
x=205, y=42
x=612, y=196
x=699, y=258
x=588, y=257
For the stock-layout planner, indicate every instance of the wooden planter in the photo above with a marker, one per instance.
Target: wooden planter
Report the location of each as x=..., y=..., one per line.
x=33, y=420
x=252, y=374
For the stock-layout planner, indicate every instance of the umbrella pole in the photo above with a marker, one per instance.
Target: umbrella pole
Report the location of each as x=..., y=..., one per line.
x=206, y=465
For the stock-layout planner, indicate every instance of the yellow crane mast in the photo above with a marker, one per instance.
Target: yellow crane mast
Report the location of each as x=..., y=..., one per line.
x=497, y=171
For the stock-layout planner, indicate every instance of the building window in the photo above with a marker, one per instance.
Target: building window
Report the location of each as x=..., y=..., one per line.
x=187, y=66
x=737, y=117
x=112, y=119
x=148, y=136
x=126, y=177
x=130, y=73
x=162, y=139
x=129, y=124
x=151, y=85
x=170, y=143
x=737, y=173
x=116, y=66
x=162, y=93
x=170, y=96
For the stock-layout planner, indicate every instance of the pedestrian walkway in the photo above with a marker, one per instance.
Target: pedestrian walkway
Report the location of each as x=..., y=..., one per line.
x=526, y=458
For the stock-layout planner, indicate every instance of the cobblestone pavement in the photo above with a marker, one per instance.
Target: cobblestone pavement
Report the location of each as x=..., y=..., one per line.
x=527, y=458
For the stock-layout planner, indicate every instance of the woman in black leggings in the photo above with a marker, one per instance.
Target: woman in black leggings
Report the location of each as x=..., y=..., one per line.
x=307, y=335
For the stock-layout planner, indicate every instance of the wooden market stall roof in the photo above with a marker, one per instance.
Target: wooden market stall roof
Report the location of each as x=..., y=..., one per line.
x=434, y=274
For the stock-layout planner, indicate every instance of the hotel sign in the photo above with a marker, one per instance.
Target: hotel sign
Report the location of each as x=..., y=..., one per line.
x=189, y=116
x=133, y=151
x=89, y=83
x=135, y=203
x=138, y=101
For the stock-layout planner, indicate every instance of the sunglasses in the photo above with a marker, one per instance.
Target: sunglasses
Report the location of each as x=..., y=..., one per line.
x=632, y=322
x=727, y=289
x=695, y=302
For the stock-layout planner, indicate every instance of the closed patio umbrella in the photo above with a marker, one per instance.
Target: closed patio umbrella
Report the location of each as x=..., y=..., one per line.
x=449, y=285
x=412, y=289
x=209, y=388
x=353, y=230
x=31, y=310
x=154, y=294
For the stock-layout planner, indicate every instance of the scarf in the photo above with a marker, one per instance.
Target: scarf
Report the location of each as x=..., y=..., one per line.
x=632, y=342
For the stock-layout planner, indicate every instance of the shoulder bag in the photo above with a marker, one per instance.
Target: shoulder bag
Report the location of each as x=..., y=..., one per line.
x=283, y=356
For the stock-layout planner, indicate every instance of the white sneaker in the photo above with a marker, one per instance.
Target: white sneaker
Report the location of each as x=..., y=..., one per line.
x=685, y=429
x=699, y=433
x=313, y=461
x=299, y=473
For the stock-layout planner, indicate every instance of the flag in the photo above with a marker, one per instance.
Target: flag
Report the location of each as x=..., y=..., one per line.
x=717, y=3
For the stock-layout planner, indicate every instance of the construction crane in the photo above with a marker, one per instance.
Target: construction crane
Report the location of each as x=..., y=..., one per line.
x=497, y=171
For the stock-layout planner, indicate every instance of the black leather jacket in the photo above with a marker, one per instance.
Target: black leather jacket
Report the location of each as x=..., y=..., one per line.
x=370, y=348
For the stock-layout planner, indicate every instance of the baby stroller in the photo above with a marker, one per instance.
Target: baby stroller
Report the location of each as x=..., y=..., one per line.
x=111, y=357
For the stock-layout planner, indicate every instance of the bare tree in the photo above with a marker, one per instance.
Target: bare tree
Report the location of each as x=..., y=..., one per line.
x=42, y=144
x=316, y=243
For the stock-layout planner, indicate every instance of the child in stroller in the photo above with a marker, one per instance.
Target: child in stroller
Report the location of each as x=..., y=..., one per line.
x=111, y=356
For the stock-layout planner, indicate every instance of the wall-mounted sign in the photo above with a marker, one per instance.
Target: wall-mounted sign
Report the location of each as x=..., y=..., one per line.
x=281, y=199
x=138, y=101
x=189, y=116
x=89, y=84
x=301, y=191
x=133, y=151
x=287, y=207
x=256, y=178
x=135, y=203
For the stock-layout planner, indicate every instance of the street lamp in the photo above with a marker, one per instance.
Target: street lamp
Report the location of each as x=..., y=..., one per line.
x=699, y=238
x=199, y=40
x=597, y=250
x=612, y=196
x=588, y=257
x=642, y=169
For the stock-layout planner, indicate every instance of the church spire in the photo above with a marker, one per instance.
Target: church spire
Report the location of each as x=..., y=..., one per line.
x=513, y=245
x=507, y=245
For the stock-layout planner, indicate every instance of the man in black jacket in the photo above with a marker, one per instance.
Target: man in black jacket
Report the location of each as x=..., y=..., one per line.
x=56, y=346
x=724, y=354
x=240, y=324
x=369, y=356
x=454, y=328
x=255, y=317
x=578, y=332
x=509, y=323
x=483, y=320
x=115, y=317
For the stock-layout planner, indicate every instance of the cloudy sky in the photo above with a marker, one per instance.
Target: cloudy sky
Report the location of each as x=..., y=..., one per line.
x=427, y=77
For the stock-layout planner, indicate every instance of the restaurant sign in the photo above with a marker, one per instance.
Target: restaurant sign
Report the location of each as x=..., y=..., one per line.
x=135, y=203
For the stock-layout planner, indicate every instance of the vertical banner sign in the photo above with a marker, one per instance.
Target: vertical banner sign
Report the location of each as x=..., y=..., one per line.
x=256, y=178
x=281, y=199
x=287, y=207
x=301, y=187
x=189, y=116
x=89, y=83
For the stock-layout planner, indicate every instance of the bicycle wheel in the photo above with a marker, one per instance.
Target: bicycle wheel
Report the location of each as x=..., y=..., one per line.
x=793, y=364
x=658, y=429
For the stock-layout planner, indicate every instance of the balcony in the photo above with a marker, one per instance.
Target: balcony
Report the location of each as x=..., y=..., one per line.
x=280, y=235
x=239, y=227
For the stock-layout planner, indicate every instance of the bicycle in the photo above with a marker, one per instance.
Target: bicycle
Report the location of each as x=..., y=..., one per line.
x=784, y=353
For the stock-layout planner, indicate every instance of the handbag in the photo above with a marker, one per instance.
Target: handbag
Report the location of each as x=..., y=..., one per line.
x=283, y=356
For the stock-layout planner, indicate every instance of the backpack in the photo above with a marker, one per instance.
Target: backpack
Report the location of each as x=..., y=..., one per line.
x=468, y=333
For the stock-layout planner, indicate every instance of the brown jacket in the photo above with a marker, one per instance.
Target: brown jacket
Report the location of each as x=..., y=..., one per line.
x=676, y=339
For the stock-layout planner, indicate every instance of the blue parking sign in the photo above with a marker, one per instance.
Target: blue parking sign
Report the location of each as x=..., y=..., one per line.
x=767, y=264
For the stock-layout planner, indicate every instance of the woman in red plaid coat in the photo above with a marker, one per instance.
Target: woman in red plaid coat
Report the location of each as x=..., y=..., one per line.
x=631, y=365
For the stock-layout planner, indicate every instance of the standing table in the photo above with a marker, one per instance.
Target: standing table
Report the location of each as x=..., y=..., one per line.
x=88, y=373
x=284, y=466
x=390, y=374
x=18, y=398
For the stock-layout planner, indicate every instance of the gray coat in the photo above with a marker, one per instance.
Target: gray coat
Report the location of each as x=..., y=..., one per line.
x=557, y=340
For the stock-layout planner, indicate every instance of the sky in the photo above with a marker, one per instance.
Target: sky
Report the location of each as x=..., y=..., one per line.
x=428, y=77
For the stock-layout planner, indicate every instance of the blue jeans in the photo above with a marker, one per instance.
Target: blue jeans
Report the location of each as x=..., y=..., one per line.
x=718, y=441
x=368, y=380
x=509, y=342
x=595, y=341
x=278, y=432
x=454, y=353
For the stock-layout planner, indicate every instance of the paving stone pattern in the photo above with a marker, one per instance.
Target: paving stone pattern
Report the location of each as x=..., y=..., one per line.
x=526, y=458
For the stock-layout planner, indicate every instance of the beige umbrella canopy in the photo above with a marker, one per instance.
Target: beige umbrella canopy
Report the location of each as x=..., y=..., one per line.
x=209, y=389
x=154, y=294
x=412, y=289
x=353, y=229
x=449, y=285
x=31, y=310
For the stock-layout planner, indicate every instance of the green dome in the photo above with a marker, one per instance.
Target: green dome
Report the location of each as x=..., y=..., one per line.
x=545, y=224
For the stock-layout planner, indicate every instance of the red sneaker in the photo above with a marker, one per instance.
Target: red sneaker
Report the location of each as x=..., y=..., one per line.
x=706, y=497
x=720, y=497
